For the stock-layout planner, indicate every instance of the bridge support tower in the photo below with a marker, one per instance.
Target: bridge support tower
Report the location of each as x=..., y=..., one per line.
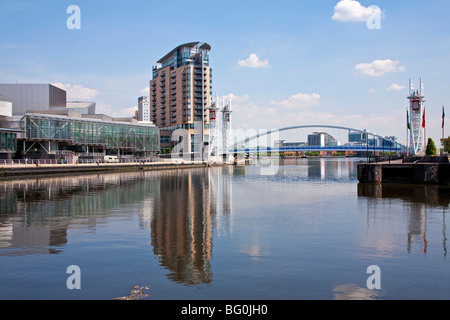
x=226, y=132
x=416, y=120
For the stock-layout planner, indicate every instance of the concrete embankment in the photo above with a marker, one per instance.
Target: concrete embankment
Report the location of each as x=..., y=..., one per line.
x=17, y=171
x=417, y=170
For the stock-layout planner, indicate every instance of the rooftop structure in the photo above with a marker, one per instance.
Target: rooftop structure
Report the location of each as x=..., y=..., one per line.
x=25, y=97
x=183, y=55
x=83, y=107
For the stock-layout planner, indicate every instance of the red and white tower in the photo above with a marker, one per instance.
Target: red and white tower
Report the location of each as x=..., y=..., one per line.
x=214, y=137
x=226, y=132
x=416, y=120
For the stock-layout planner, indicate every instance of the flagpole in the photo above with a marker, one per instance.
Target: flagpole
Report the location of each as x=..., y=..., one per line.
x=443, y=128
x=443, y=122
x=425, y=131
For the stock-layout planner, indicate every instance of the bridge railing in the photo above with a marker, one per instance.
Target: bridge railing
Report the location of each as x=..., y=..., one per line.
x=317, y=148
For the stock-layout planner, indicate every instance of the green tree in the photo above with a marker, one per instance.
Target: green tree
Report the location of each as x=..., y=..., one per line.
x=431, y=148
x=446, y=144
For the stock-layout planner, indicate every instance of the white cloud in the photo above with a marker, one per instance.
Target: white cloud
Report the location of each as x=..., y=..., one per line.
x=248, y=115
x=145, y=91
x=126, y=112
x=299, y=101
x=378, y=68
x=253, y=61
x=372, y=90
x=77, y=92
x=234, y=99
x=352, y=10
x=396, y=87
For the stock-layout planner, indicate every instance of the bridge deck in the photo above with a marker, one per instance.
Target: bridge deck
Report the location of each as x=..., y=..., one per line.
x=313, y=148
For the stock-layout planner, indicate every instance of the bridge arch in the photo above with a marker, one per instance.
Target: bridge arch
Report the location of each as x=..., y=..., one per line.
x=269, y=132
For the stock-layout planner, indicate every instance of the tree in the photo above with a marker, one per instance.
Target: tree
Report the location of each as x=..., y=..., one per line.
x=431, y=148
x=446, y=144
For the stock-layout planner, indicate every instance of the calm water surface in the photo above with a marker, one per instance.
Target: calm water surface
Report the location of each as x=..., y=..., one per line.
x=303, y=230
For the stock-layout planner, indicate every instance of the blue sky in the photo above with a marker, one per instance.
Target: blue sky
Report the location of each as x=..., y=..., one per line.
x=282, y=63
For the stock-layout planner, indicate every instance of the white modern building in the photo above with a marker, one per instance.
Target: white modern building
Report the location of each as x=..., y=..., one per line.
x=143, y=109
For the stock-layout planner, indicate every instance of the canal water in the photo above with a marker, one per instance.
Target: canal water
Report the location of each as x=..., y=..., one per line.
x=290, y=230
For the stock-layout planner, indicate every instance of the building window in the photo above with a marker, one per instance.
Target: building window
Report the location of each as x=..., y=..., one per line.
x=9, y=141
x=165, y=139
x=3, y=141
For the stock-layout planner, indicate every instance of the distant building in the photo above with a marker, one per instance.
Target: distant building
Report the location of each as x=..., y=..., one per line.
x=321, y=139
x=287, y=144
x=143, y=109
x=390, y=141
x=180, y=93
x=357, y=137
x=363, y=138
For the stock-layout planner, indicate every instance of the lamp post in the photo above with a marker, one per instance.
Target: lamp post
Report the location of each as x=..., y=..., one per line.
x=374, y=143
x=390, y=149
x=367, y=144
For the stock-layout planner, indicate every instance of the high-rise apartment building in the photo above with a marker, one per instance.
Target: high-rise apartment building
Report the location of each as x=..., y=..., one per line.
x=143, y=109
x=180, y=93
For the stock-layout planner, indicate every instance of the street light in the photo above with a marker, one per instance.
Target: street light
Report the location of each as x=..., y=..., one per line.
x=390, y=149
x=367, y=144
x=374, y=143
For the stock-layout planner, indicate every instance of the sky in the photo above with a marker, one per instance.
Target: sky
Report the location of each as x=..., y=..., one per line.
x=281, y=63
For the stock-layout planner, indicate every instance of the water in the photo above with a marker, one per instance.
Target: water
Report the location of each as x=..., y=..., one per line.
x=302, y=230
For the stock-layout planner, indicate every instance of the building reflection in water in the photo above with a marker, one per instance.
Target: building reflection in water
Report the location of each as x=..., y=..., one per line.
x=180, y=208
x=417, y=201
x=184, y=216
x=324, y=168
x=35, y=214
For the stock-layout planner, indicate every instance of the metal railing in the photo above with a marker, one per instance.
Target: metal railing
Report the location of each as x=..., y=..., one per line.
x=37, y=162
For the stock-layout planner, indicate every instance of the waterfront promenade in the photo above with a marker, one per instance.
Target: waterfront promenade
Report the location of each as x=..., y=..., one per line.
x=41, y=167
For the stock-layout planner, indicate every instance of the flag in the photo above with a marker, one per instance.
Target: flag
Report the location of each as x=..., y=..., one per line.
x=423, y=118
x=407, y=119
x=443, y=116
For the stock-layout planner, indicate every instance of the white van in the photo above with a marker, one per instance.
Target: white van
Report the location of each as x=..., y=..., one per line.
x=111, y=159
